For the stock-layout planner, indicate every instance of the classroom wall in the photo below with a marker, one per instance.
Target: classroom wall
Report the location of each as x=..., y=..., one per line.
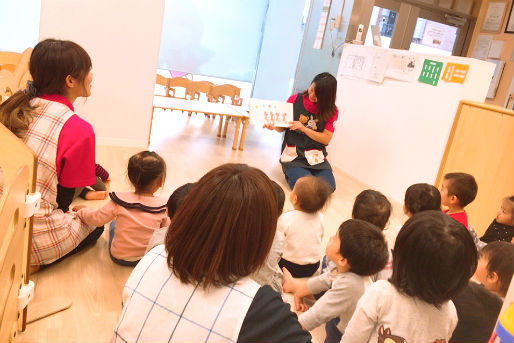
x=122, y=37
x=508, y=49
x=281, y=42
x=314, y=61
x=19, y=24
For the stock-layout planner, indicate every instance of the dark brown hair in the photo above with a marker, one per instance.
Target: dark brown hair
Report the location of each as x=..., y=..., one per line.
x=511, y=201
x=463, y=186
x=433, y=258
x=325, y=88
x=364, y=246
x=281, y=196
x=312, y=192
x=224, y=228
x=422, y=197
x=177, y=197
x=50, y=63
x=144, y=169
x=500, y=256
x=373, y=207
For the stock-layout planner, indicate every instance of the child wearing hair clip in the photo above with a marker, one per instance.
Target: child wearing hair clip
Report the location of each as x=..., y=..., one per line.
x=138, y=214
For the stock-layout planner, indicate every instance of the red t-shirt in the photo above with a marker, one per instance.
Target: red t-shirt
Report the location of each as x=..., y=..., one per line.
x=313, y=108
x=75, y=159
x=461, y=217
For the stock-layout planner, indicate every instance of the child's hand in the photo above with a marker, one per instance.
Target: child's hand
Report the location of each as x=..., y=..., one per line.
x=78, y=207
x=299, y=305
x=289, y=283
x=107, y=184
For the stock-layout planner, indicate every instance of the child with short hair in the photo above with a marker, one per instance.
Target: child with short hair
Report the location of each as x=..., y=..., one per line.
x=303, y=227
x=172, y=205
x=138, y=214
x=269, y=273
x=458, y=190
x=502, y=227
x=433, y=259
x=421, y=197
x=479, y=304
x=358, y=249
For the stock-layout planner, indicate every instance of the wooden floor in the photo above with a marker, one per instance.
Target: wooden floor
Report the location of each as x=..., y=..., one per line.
x=190, y=148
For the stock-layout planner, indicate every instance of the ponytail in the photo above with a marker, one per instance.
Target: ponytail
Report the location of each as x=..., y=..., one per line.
x=15, y=112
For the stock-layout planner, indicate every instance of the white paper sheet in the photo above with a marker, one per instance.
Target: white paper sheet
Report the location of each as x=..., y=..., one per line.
x=268, y=112
x=496, y=49
x=402, y=66
x=494, y=16
x=482, y=46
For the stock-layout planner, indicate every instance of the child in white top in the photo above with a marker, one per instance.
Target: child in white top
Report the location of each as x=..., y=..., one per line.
x=433, y=258
x=358, y=249
x=303, y=227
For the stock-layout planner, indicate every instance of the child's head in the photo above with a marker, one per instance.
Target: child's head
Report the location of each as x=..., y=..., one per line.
x=281, y=196
x=146, y=171
x=373, y=207
x=310, y=194
x=506, y=213
x=458, y=189
x=496, y=266
x=177, y=197
x=433, y=258
x=56, y=67
x=421, y=197
x=224, y=229
x=360, y=246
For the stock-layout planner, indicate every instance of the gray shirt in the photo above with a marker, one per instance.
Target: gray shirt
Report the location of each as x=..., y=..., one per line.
x=340, y=300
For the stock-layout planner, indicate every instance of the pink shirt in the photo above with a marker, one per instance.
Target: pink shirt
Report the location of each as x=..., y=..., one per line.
x=313, y=108
x=134, y=227
x=75, y=159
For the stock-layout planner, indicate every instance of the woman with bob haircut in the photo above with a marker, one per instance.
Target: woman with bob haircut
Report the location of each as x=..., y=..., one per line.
x=196, y=287
x=433, y=258
x=43, y=116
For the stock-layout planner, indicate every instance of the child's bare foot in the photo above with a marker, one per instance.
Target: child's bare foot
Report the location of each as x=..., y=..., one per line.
x=288, y=285
x=96, y=195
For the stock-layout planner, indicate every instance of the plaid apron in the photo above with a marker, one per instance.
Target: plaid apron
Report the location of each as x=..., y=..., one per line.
x=55, y=233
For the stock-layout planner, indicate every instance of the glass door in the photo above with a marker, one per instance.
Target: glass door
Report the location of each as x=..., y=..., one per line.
x=383, y=15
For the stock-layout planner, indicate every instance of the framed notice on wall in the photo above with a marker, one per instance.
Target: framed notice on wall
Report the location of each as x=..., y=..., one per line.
x=510, y=22
x=494, y=16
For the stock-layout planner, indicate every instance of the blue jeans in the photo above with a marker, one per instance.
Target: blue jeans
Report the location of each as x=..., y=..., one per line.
x=333, y=333
x=114, y=259
x=293, y=174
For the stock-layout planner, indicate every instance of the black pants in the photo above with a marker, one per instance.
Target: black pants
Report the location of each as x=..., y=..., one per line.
x=89, y=240
x=299, y=270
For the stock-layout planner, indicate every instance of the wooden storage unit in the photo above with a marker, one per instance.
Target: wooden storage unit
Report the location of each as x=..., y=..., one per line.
x=481, y=143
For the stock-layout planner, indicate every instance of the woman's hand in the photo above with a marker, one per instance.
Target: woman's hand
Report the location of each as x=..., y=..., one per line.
x=296, y=125
x=269, y=126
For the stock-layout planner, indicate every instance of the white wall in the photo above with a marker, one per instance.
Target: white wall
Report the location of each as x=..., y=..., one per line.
x=392, y=135
x=19, y=24
x=122, y=37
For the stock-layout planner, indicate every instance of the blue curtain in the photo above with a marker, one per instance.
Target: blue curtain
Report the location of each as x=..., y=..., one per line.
x=219, y=38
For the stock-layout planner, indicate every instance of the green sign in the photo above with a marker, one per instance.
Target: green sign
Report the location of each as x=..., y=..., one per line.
x=431, y=72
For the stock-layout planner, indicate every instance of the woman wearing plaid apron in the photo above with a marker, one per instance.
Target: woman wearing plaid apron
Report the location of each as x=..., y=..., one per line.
x=43, y=116
x=197, y=286
x=304, y=146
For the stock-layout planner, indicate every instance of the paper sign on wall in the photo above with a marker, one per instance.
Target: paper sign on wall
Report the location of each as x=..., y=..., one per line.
x=267, y=112
x=455, y=72
x=431, y=72
x=320, y=34
x=402, y=66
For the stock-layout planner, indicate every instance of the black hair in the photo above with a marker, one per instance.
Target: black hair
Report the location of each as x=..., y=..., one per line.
x=177, y=197
x=144, y=168
x=312, y=192
x=433, y=258
x=364, y=246
x=373, y=207
x=463, y=186
x=422, y=197
x=281, y=197
x=511, y=201
x=325, y=88
x=500, y=256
